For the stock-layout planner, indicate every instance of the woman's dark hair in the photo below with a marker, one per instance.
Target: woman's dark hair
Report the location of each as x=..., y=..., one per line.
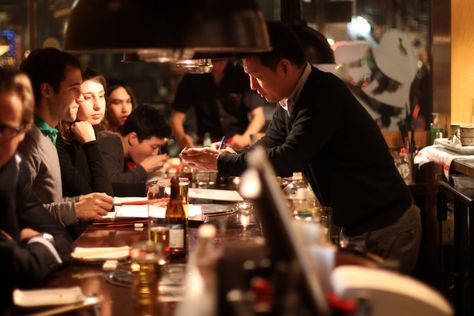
x=114, y=84
x=147, y=121
x=90, y=74
x=110, y=122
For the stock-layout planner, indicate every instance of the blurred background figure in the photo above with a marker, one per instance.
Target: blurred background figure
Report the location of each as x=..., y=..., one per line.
x=82, y=166
x=120, y=103
x=224, y=105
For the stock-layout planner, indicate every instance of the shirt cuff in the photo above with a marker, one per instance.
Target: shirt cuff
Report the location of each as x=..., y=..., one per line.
x=47, y=244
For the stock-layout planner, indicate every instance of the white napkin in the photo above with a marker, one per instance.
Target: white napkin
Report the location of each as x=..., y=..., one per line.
x=439, y=155
x=101, y=253
x=47, y=297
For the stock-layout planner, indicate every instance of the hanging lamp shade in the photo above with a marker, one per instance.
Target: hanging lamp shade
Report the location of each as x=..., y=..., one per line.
x=164, y=28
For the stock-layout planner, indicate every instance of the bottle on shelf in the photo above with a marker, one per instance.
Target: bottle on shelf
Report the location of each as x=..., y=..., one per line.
x=405, y=165
x=436, y=131
x=206, y=142
x=176, y=221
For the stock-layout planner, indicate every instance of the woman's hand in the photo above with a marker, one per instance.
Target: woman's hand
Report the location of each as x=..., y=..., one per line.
x=83, y=131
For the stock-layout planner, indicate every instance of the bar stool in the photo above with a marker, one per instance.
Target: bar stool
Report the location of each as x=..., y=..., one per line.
x=457, y=264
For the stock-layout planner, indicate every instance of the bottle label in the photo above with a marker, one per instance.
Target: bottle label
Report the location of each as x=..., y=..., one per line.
x=176, y=235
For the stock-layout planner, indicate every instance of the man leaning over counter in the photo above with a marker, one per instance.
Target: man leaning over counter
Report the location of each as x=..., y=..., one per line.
x=321, y=129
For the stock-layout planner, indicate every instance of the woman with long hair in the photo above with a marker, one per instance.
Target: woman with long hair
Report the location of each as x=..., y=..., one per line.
x=82, y=166
x=120, y=103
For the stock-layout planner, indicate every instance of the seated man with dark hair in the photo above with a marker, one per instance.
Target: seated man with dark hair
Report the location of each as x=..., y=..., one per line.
x=32, y=243
x=133, y=153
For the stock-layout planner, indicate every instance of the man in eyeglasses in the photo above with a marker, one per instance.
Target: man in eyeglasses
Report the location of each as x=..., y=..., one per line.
x=32, y=243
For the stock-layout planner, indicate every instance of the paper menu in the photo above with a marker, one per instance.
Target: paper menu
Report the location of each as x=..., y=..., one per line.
x=141, y=211
x=217, y=195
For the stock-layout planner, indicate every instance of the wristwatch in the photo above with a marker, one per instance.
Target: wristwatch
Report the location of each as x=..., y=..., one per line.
x=48, y=237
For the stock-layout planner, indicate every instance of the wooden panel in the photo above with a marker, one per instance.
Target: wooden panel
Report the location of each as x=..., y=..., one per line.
x=462, y=67
x=394, y=138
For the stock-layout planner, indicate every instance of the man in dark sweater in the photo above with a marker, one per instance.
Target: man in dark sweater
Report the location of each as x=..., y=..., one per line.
x=320, y=128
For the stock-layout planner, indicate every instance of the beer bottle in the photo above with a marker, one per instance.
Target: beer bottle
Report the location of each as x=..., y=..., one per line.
x=176, y=221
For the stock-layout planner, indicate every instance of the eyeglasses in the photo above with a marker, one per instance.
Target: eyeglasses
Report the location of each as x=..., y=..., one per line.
x=8, y=132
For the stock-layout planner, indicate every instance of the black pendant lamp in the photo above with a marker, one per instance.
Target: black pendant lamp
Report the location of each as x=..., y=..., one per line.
x=170, y=30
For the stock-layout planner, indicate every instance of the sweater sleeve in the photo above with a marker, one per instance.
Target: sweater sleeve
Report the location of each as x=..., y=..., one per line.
x=234, y=165
x=25, y=266
x=112, y=152
x=64, y=212
x=100, y=179
x=74, y=180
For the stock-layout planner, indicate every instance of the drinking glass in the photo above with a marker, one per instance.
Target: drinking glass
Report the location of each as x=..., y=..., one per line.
x=145, y=270
x=202, y=180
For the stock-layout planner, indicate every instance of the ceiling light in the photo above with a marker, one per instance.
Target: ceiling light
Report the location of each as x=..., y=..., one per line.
x=148, y=27
x=195, y=66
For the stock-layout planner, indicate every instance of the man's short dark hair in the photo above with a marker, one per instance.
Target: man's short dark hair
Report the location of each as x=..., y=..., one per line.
x=285, y=44
x=147, y=121
x=47, y=65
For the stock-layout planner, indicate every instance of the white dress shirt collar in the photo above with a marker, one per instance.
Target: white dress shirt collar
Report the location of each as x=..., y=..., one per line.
x=289, y=103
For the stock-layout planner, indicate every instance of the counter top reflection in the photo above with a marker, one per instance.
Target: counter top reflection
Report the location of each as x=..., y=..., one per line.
x=117, y=299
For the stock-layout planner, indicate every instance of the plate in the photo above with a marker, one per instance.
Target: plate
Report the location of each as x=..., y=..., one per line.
x=47, y=297
x=464, y=150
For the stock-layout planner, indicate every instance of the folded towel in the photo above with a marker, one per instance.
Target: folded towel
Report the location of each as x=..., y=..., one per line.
x=47, y=297
x=101, y=253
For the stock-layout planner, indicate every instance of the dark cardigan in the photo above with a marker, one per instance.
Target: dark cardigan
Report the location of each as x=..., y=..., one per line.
x=83, y=168
x=334, y=141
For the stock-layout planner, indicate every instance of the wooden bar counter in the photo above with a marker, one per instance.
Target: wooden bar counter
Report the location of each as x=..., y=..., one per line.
x=117, y=300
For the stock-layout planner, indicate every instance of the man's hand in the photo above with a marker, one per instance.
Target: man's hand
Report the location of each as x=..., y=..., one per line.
x=27, y=233
x=153, y=163
x=226, y=149
x=83, y=131
x=239, y=141
x=93, y=206
x=201, y=158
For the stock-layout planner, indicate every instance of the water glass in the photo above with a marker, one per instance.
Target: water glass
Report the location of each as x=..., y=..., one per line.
x=202, y=180
x=244, y=211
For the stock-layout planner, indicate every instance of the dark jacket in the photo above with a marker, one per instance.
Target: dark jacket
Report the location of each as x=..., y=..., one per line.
x=125, y=181
x=334, y=141
x=25, y=265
